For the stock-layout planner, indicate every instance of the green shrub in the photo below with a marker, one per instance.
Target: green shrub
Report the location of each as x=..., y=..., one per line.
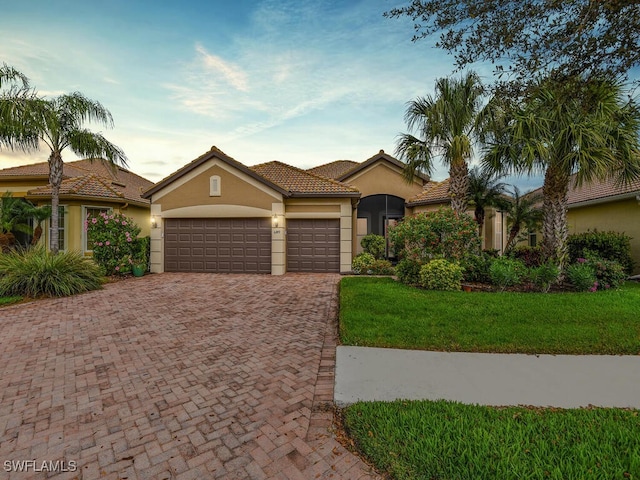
x=544, y=276
x=381, y=267
x=37, y=272
x=609, y=273
x=113, y=240
x=440, y=234
x=476, y=267
x=367, y=264
x=361, y=263
x=374, y=244
x=530, y=256
x=506, y=272
x=440, y=274
x=606, y=245
x=582, y=276
x=408, y=271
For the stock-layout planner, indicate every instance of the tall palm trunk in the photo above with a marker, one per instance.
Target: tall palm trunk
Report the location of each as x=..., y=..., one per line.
x=554, y=226
x=459, y=185
x=55, y=179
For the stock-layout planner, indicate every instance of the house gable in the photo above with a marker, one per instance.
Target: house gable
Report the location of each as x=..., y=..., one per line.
x=382, y=174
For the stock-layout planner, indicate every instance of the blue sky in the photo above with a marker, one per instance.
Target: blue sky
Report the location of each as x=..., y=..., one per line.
x=303, y=82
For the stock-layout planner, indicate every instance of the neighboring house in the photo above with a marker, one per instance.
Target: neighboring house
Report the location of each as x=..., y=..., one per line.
x=88, y=188
x=602, y=206
x=607, y=207
x=216, y=214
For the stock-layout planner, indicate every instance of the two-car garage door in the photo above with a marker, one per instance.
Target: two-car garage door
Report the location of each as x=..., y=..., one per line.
x=217, y=245
x=243, y=245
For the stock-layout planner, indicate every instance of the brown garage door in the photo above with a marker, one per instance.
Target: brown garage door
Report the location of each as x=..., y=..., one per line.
x=217, y=245
x=313, y=245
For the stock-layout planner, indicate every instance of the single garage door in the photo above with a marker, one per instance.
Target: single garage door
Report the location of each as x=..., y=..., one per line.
x=313, y=245
x=217, y=245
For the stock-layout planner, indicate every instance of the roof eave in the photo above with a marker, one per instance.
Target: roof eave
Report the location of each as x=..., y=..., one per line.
x=611, y=198
x=428, y=202
x=325, y=194
x=121, y=200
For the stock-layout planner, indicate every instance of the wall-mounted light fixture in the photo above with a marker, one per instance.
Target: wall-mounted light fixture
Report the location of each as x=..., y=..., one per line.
x=154, y=222
x=275, y=220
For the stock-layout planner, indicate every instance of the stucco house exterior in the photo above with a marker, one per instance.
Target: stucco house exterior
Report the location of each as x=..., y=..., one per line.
x=88, y=187
x=216, y=214
x=606, y=206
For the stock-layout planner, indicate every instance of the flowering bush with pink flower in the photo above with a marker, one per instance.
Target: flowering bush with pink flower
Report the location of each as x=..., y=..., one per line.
x=113, y=239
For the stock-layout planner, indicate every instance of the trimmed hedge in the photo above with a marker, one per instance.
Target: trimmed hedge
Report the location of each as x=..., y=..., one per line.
x=606, y=245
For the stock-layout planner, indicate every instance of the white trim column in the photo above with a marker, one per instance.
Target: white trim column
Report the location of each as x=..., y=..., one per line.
x=278, y=242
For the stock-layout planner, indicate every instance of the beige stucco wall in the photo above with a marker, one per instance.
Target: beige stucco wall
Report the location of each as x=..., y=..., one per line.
x=621, y=216
x=384, y=178
x=75, y=217
x=235, y=190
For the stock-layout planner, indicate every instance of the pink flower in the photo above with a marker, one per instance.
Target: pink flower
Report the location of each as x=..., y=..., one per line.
x=129, y=239
x=100, y=244
x=94, y=220
x=117, y=269
x=107, y=243
x=124, y=223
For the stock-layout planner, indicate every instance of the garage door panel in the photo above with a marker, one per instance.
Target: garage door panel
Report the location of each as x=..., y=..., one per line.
x=218, y=245
x=313, y=245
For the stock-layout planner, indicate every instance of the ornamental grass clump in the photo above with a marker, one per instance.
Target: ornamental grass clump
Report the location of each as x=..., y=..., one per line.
x=113, y=240
x=36, y=272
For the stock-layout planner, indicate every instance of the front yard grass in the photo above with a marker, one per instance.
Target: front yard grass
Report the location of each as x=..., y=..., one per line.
x=9, y=300
x=380, y=312
x=448, y=440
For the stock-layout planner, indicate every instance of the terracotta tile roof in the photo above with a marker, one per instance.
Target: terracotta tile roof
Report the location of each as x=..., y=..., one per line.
x=433, y=192
x=301, y=182
x=87, y=176
x=87, y=186
x=599, y=191
x=334, y=169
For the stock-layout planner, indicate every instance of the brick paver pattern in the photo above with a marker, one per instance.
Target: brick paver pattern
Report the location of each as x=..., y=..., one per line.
x=176, y=376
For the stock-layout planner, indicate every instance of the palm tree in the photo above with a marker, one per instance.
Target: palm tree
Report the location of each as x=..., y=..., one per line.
x=10, y=74
x=581, y=126
x=39, y=215
x=522, y=211
x=57, y=123
x=447, y=124
x=485, y=191
x=12, y=220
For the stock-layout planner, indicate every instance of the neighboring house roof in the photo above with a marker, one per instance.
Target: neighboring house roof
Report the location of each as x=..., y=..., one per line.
x=302, y=182
x=433, y=192
x=598, y=192
x=334, y=169
x=84, y=186
x=95, y=178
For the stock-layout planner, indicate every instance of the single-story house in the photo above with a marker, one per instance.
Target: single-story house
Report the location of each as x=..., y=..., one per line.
x=216, y=214
x=606, y=206
x=89, y=187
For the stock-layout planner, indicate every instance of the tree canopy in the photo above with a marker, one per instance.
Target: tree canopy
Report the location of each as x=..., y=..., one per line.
x=558, y=38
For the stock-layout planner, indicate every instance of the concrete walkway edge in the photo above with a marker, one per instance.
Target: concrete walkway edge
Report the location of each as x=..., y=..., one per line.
x=564, y=381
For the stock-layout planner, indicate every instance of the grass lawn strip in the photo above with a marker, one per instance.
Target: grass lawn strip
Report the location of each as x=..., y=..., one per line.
x=9, y=300
x=380, y=312
x=449, y=440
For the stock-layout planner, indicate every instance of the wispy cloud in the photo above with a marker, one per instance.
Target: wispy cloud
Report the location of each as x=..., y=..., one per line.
x=213, y=64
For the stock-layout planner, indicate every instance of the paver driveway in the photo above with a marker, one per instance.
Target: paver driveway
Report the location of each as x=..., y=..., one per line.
x=185, y=376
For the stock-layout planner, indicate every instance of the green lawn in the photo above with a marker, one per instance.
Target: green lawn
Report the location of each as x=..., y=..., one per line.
x=9, y=300
x=450, y=441
x=383, y=313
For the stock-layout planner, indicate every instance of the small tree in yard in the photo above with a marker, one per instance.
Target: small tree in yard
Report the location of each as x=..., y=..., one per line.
x=443, y=233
